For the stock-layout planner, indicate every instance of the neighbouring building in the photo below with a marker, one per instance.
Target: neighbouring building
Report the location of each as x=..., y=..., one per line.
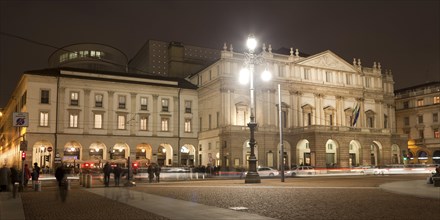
x=417, y=115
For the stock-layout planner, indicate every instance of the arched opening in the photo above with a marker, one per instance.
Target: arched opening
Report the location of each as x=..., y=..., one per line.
x=247, y=153
x=303, y=153
x=165, y=155
x=43, y=154
x=286, y=156
x=395, y=154
x=375, y=153
x=187, y=155
x=354, y=151
x=422, y=157
x=96, y=152
x=72, y=151
x=144, y=153
x=331, y=156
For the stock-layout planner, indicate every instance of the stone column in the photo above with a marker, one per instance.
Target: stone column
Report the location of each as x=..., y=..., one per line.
x=110, y=113
x=87, y=122
x=155, y=114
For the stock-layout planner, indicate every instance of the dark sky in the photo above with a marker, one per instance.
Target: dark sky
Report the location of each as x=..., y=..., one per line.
x=402, y=35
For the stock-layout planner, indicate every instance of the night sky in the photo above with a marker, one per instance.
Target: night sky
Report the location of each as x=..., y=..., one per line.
x=402, y=35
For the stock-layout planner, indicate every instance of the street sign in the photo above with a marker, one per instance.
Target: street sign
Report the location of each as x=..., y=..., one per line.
x=49, y=149
x=20, y=119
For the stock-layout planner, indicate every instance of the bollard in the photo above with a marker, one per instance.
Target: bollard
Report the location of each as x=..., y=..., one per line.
x=81, y=179
x=89, y=181
x=68, y=184
x=38, y=186
x=15, y=189
x=84, y=182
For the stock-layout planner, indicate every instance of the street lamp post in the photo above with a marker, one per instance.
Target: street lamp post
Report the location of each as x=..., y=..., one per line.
x=245, y=75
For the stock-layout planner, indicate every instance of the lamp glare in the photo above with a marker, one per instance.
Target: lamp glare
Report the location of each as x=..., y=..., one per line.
x=244, y=76
x=266, y=75
x=251, y=43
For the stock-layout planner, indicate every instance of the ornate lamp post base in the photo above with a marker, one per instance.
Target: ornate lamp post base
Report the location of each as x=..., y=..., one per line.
x=252, y=176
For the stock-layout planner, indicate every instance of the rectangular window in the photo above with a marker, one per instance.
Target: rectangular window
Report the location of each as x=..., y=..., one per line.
x=309, y=119
x=434, y=117
x=420, y=119
x=367, y=82
x=385, y=121
x=218, y=120
x=98, y=100
x=187, y=125
x=44, y=119
x=406, y=121
x=23, y=98
x=121, y=102
x=209, y=122
x=165, y=105
x=331, y=120
x=348, y=79
x=284, y=118
x=328, y=76
x=436, y=133
x=144, y=123
x=307, y=73
x=200, y=124
x=74, y=98
x=405, y=104
x=370, y=121
x=165, y=124
x=329, y=147
x=421, y=134
x=73, y=120
x=97, y=123
x=44, y=97
x=436, y=99
x=121, y=122
x=144, y=103
x=187, y=106
x=420, y=102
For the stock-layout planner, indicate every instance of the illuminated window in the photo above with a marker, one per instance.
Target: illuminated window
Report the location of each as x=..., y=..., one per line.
x=121, y=100
x=188, y=106
x=187, y=125
x=97, y=121
x=436, y=133
x=165, y=105
x=98, y=100
x=121, y=122
x=44, y=119
x=73, y=120
x=74, y=98
x=144, y=103
x=420, y=102
x=165, y=124
x=436, y=99
x=144, y=123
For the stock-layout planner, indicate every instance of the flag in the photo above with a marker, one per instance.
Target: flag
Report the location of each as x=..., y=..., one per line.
x=356, y=112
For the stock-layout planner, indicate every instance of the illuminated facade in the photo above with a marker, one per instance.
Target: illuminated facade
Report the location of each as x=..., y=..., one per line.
x=94, y=115
x=417, y=115
x=319, y=94
x=79, y=116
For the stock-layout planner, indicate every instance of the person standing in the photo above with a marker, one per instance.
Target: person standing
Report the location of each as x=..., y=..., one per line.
x=27, y=175
x=150, y=171
x=117, y=172
x=36, y=172
x=107, y=170
x=157, y=172
x=60, y=175
x=5, y=174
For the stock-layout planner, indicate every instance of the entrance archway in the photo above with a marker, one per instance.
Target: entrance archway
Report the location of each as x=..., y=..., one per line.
x=41, y=154
x=354, y=151
x=331, y=156
x=303, y=153
x=165, y=155
x=72, y=151
x=375, y=153
x=187, y=155
x=395, y=154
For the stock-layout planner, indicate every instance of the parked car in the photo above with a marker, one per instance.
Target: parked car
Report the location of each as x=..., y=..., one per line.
x=266, y=171
x=301, y=170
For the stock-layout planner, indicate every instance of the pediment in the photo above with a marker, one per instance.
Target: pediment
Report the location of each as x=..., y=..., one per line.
x=327, y=60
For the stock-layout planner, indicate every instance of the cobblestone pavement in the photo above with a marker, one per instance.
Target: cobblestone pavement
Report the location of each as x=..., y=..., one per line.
x=297, y=198
x=307, y=198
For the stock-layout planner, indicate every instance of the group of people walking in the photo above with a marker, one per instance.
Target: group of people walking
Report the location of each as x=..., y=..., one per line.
x=154, y=171
x=12, y=175
x=108, y=169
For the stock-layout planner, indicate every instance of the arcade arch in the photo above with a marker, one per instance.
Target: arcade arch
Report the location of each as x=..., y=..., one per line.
x=144, y=154
x=375, y=153
x=41, y=153
x=395, y=154
x=303, y=152
x=331, y=156
x=187, y=155
x=72, y=151
x=354, y=151
x=165, y=155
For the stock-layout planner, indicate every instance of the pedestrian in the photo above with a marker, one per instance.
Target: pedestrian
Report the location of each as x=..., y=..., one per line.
x=27, y=175
x=150, y=171
x=60, y=175
x=5, y=174
x=36, y=172
x=117, y=172
x=107, y=170
x=157, y=172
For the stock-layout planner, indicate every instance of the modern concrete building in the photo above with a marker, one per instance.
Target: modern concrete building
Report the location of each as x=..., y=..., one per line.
x=417, y=115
